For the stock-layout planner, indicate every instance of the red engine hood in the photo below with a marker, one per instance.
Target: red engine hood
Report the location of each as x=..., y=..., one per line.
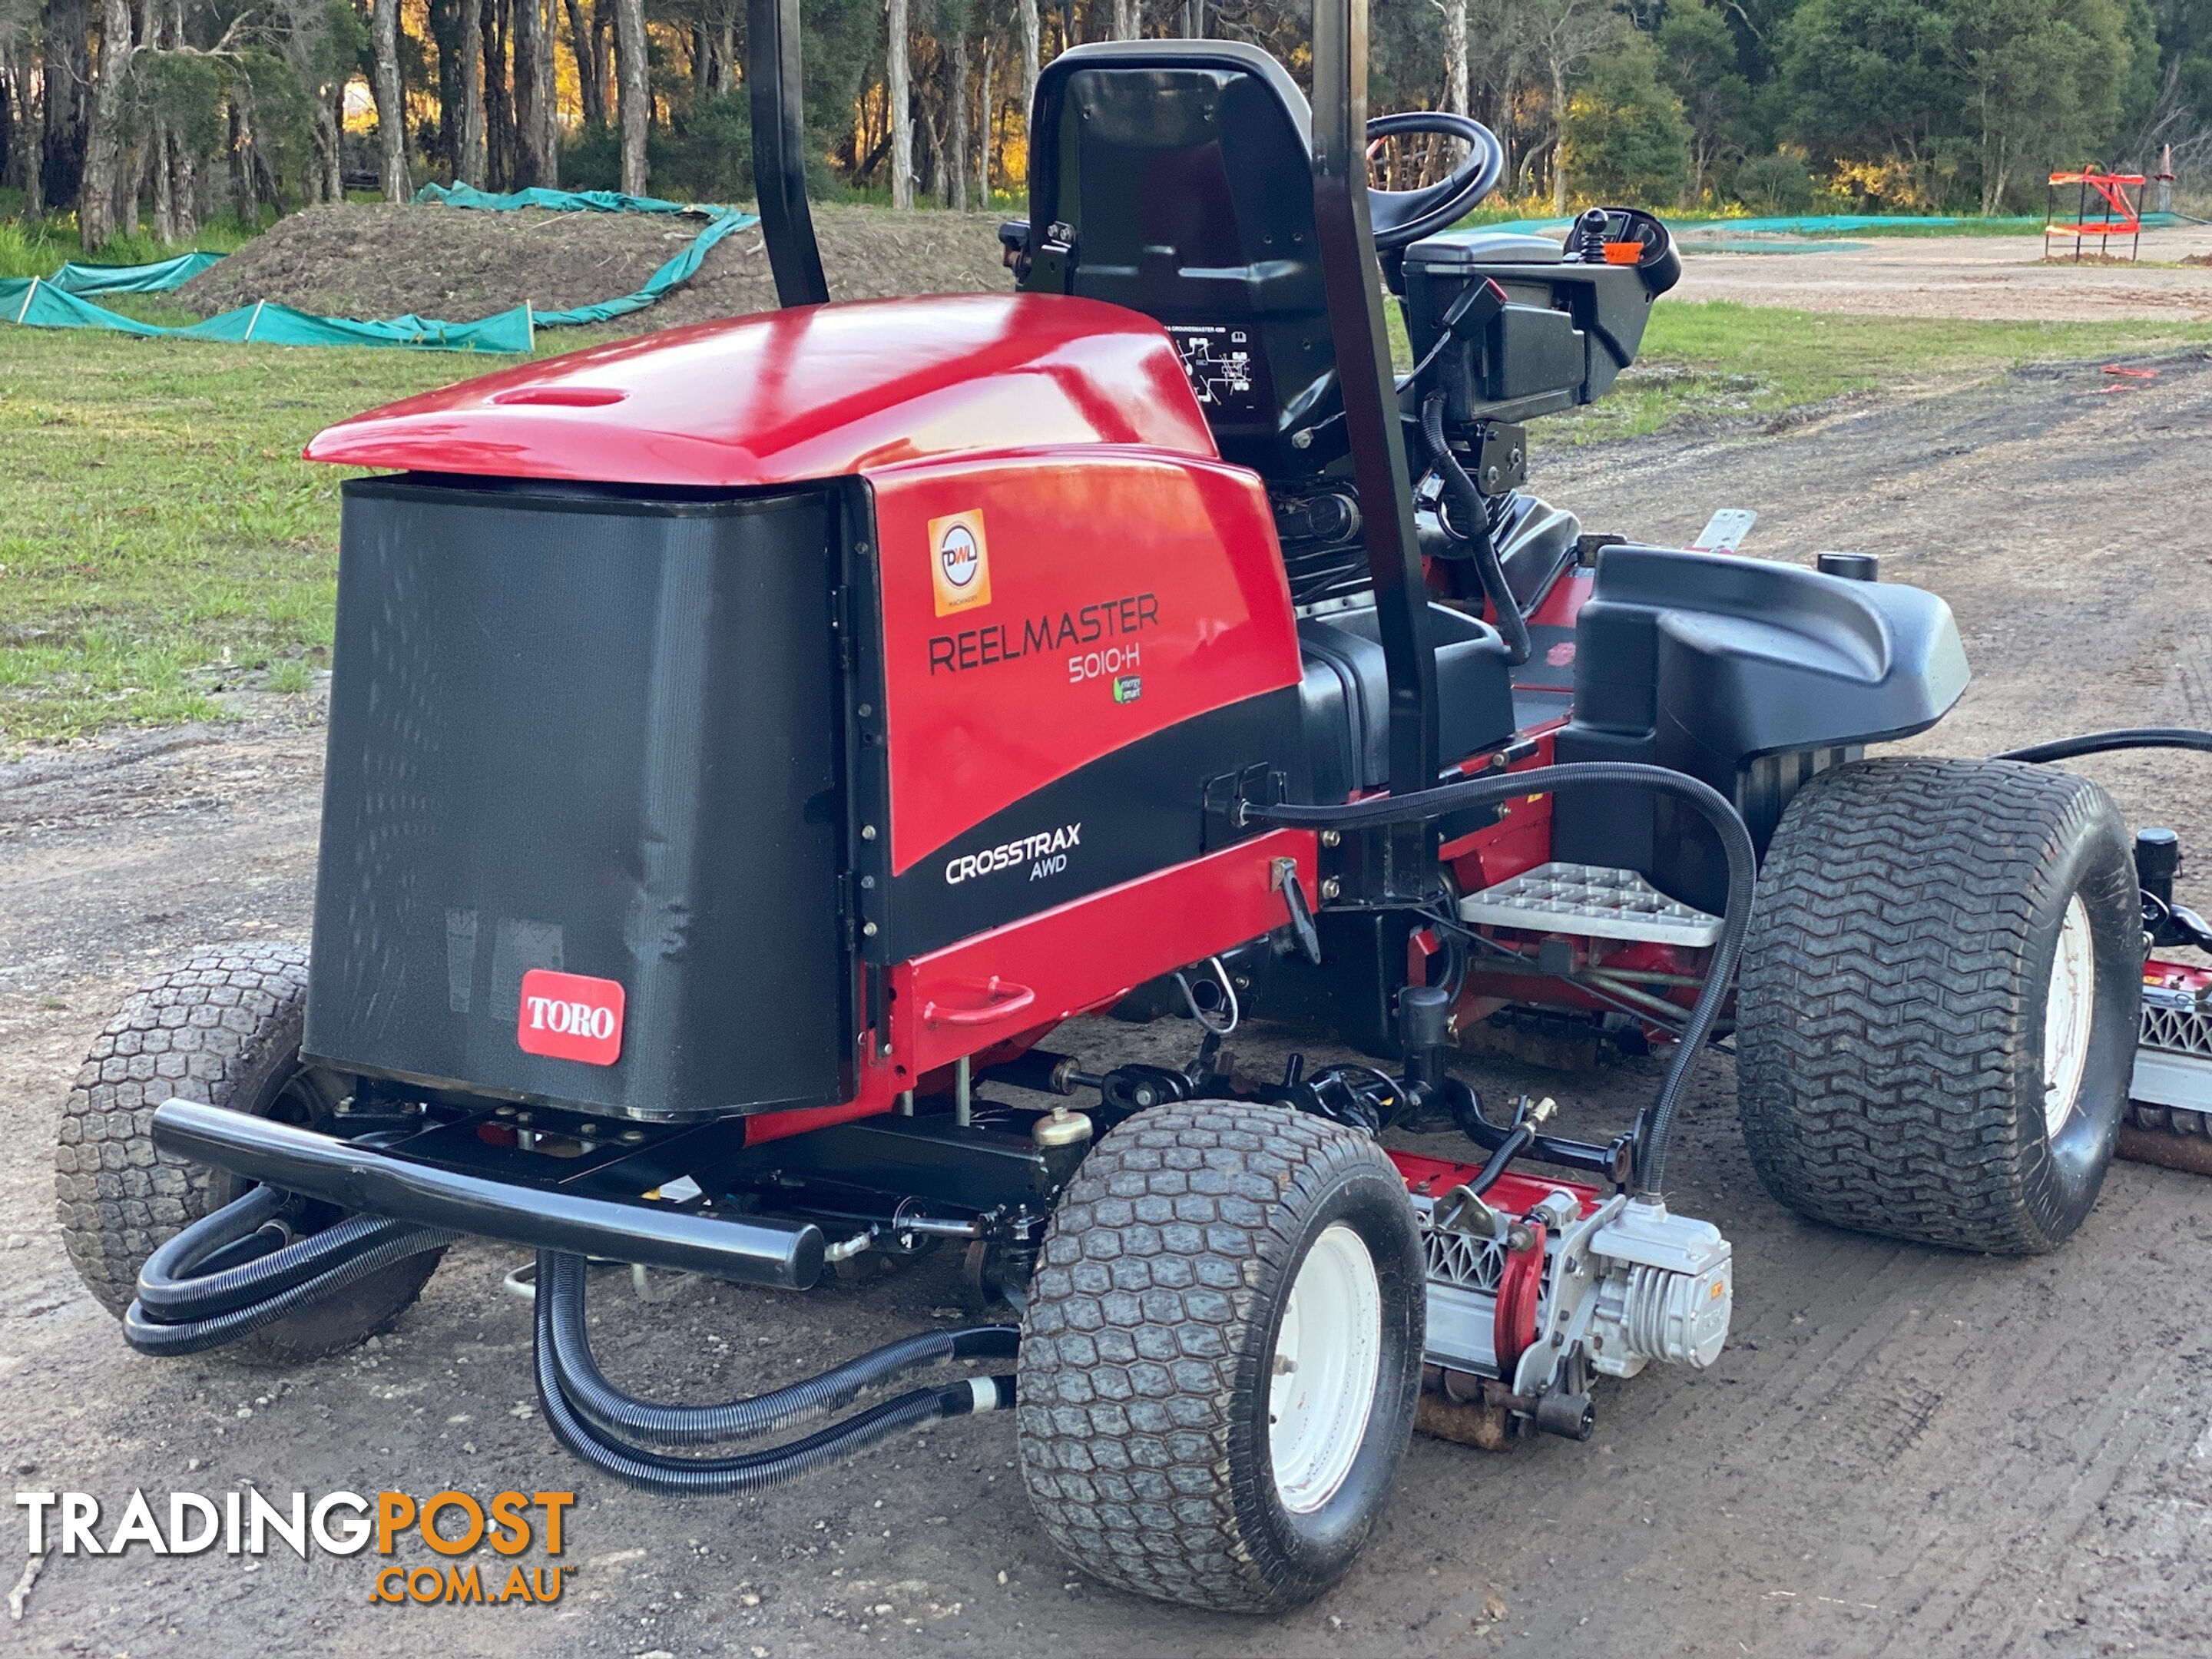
x=813, y=393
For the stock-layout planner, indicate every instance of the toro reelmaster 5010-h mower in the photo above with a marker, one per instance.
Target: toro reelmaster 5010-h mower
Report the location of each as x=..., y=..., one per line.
x=749, y=743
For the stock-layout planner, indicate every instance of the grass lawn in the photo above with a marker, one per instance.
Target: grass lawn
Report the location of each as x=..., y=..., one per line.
x=40, y=248
x=160, y=540
x=160, y=536
x=1716, y=360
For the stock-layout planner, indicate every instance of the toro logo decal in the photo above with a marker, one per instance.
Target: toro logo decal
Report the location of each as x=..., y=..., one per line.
x=570, y=1017
x=959, y=562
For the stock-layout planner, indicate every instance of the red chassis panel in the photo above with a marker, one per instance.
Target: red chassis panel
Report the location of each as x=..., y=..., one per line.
x=1514, y=1193
x=1105, y=594
x=1024, y=978
x=817, y=392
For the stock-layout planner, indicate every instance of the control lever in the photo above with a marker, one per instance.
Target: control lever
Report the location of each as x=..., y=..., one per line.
x=1302, y=917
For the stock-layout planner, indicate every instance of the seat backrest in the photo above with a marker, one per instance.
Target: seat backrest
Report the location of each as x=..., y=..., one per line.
x=1175, y=178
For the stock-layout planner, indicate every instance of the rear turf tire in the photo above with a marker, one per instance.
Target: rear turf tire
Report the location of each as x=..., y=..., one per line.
x=1936, y=1016
x=1198, y=1242
x=222, y=1027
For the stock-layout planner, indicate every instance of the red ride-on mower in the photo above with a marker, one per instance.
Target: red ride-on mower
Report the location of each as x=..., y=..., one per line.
x=749, y=743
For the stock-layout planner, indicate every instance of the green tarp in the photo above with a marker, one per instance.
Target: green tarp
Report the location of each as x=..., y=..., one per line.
x=557, y=201
x=37, y=303
x=721, y=221
x=58, y=302
x=159, y=277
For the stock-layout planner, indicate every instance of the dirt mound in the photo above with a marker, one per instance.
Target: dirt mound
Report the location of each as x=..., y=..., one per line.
x=459, y=264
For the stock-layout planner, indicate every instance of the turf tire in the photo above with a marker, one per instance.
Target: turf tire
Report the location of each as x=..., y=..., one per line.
x=1891, y=1008
x=1148, y=1349
x=222, y=1027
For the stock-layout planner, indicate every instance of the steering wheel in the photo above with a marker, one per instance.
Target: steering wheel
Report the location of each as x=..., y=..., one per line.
x=1401, y=217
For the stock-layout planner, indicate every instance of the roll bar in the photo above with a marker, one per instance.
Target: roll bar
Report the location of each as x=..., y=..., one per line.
x=1371, y=421
x=774, y=77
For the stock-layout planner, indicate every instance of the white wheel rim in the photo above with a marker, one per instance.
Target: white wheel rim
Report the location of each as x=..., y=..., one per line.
x=1328, y=1357
x=2067, y=1015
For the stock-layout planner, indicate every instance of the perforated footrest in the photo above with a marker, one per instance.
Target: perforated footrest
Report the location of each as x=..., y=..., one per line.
x=1590, y=899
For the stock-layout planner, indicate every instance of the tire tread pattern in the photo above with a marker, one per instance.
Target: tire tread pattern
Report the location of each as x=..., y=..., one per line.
x=1885, y=1049
x=194, y=1033
x=1137, y=1342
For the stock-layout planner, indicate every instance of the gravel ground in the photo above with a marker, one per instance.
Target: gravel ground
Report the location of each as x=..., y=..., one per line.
x=2000, y=279
x=1903, y=1452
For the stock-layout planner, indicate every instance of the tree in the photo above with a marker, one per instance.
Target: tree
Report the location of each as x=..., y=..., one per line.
x=1774, y=183
x=1626, y=140
x=2042, y=80
x=469, y=165
x=1907, y=103
x=1994, y=92
x=1453, y=13
x=955, y=93
x=23, y=134
x=532, y=122
x=1565, y=34
x=633, y=94
x=95, y=212
x=391, y=101
x=898, y=93
x=1032, y=53
x=591, y=73
x=547, y=137
x=1698, y=61
x=984, y=137
x=65, y=83
x=1869, y=78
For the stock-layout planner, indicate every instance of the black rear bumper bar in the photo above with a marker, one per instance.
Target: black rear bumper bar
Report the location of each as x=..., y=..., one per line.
x=748, y=1250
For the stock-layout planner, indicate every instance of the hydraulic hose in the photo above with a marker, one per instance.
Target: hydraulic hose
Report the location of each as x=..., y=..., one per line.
x=2104, y=742
x=1512, y=626
x=239, y=1301
x=609, y=1410
x=754, y=1471
x=192, y=1276
x=359, y=1260
x=1511, y=1148
x=1715, y=807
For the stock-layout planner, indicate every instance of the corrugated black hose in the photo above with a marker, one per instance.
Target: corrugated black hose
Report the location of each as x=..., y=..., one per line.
x=1512, y=626
x=640, y=1466
x=1716, y=810
x=181, y=1308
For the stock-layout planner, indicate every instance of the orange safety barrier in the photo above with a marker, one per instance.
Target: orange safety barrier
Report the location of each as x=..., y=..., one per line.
x=2103, y=209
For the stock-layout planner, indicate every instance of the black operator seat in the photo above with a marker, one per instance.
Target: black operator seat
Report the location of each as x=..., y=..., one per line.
x=1174, y=178
x=1182, y=172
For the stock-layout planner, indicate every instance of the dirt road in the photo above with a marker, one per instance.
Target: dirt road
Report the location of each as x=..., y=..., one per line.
x=2001, y=278
x=1902, y=1453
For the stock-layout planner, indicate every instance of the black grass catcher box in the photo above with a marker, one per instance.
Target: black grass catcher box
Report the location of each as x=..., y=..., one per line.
x=581, y=834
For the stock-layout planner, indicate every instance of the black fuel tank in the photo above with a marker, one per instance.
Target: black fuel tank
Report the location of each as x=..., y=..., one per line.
x=594, y=734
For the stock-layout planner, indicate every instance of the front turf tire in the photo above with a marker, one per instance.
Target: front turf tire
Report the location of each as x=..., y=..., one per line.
x=222, y=1027
x=1197, y=1242
x=1937, y=1010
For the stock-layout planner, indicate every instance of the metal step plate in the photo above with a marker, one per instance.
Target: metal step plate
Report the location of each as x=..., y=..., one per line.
x=2162, y=1078
x=1590, y=899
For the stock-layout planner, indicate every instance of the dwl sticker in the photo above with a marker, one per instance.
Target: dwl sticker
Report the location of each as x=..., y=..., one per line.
x=960, y=562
